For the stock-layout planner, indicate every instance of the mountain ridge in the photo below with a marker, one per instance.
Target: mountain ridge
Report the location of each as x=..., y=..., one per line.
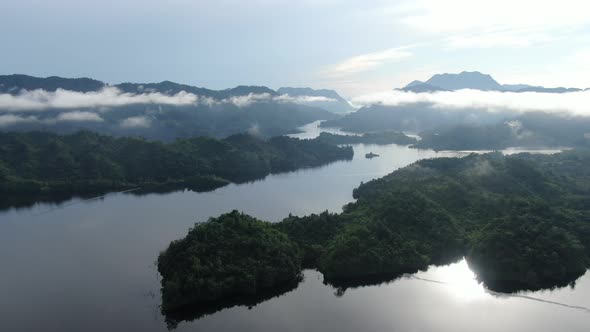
x=477, y=81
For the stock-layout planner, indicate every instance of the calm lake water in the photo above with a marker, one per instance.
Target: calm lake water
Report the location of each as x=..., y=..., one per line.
x=89, y=265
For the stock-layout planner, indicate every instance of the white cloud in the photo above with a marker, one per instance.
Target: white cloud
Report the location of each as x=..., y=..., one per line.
x=494, y=39
x=302, y=99
x=246, y=100
x=469, y=15
x=575, y=103
x=365, y=62
x=136, y=122
x=38, y=100
x=108, y=97
x=499, y=23
x=580, y=59
x=11, y=119
x=79, y=116
x=254, y=129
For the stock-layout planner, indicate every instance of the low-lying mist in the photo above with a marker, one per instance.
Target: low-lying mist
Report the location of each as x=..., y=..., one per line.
x=572, y=103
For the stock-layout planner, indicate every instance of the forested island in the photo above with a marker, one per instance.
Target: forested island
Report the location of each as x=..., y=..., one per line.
x=522, y=222
x=382, y=138
x=36, y=163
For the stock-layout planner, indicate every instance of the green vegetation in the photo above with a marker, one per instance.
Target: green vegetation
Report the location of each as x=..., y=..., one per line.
x=37, y=164
x=388, y=137
x=530, y=130
x=466, y=137
x=230, y=256
x=215, y=115
x=470, y=129
x=522, y=222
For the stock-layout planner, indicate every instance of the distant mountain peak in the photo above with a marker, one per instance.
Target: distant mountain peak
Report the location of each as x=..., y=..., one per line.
x=413, y=84
x=464, y=80
x=477, y=81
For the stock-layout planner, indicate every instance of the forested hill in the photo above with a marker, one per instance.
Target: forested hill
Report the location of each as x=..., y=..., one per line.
x=158, y=111
x=522, y=222
x=442, y=129
x=44, y=163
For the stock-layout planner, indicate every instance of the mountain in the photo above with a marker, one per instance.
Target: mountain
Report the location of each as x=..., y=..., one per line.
x=413, y=84
x=327, y=99
x=412, y=118
x=13, y=84
x=531, y=130
x=476, y=81
x=421, y=87
x=515, y=87
x=548, y=90
x=135, y=110
x=172, y=88
x=464, y=80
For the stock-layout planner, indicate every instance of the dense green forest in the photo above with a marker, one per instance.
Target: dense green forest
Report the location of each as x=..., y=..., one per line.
x=522, y=222
x=388, y=137
x=230, y=256
x=40, y=163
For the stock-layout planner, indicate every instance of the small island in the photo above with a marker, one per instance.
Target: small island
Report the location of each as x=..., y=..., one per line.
x=522, y=222
x=371, y=155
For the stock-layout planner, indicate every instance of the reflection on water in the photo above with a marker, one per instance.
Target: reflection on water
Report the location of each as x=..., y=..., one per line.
x=89, y=265
x=197, y=312
x=446, y=298
x=461, y=282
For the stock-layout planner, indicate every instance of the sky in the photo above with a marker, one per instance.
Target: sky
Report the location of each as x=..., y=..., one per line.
x=354, y=47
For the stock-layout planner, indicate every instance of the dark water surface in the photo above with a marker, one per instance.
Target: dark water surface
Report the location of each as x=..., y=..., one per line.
x=89, y=265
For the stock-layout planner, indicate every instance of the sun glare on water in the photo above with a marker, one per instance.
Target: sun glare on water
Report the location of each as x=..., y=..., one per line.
x=457, y=278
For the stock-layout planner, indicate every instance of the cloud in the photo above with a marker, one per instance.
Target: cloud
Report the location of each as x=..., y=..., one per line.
x=79, y=116
x=136, y=122
x=517, y=129
x=499, y=23
x=365, y=62
x=75, y=116
x=11, y=119
x=38, y=100
x=580, y=58
x=108, y=97
x=246, y=100
x=494, y=39
x=469, y=15
x=254, y=129
x=574, y=103
x=303, y=99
